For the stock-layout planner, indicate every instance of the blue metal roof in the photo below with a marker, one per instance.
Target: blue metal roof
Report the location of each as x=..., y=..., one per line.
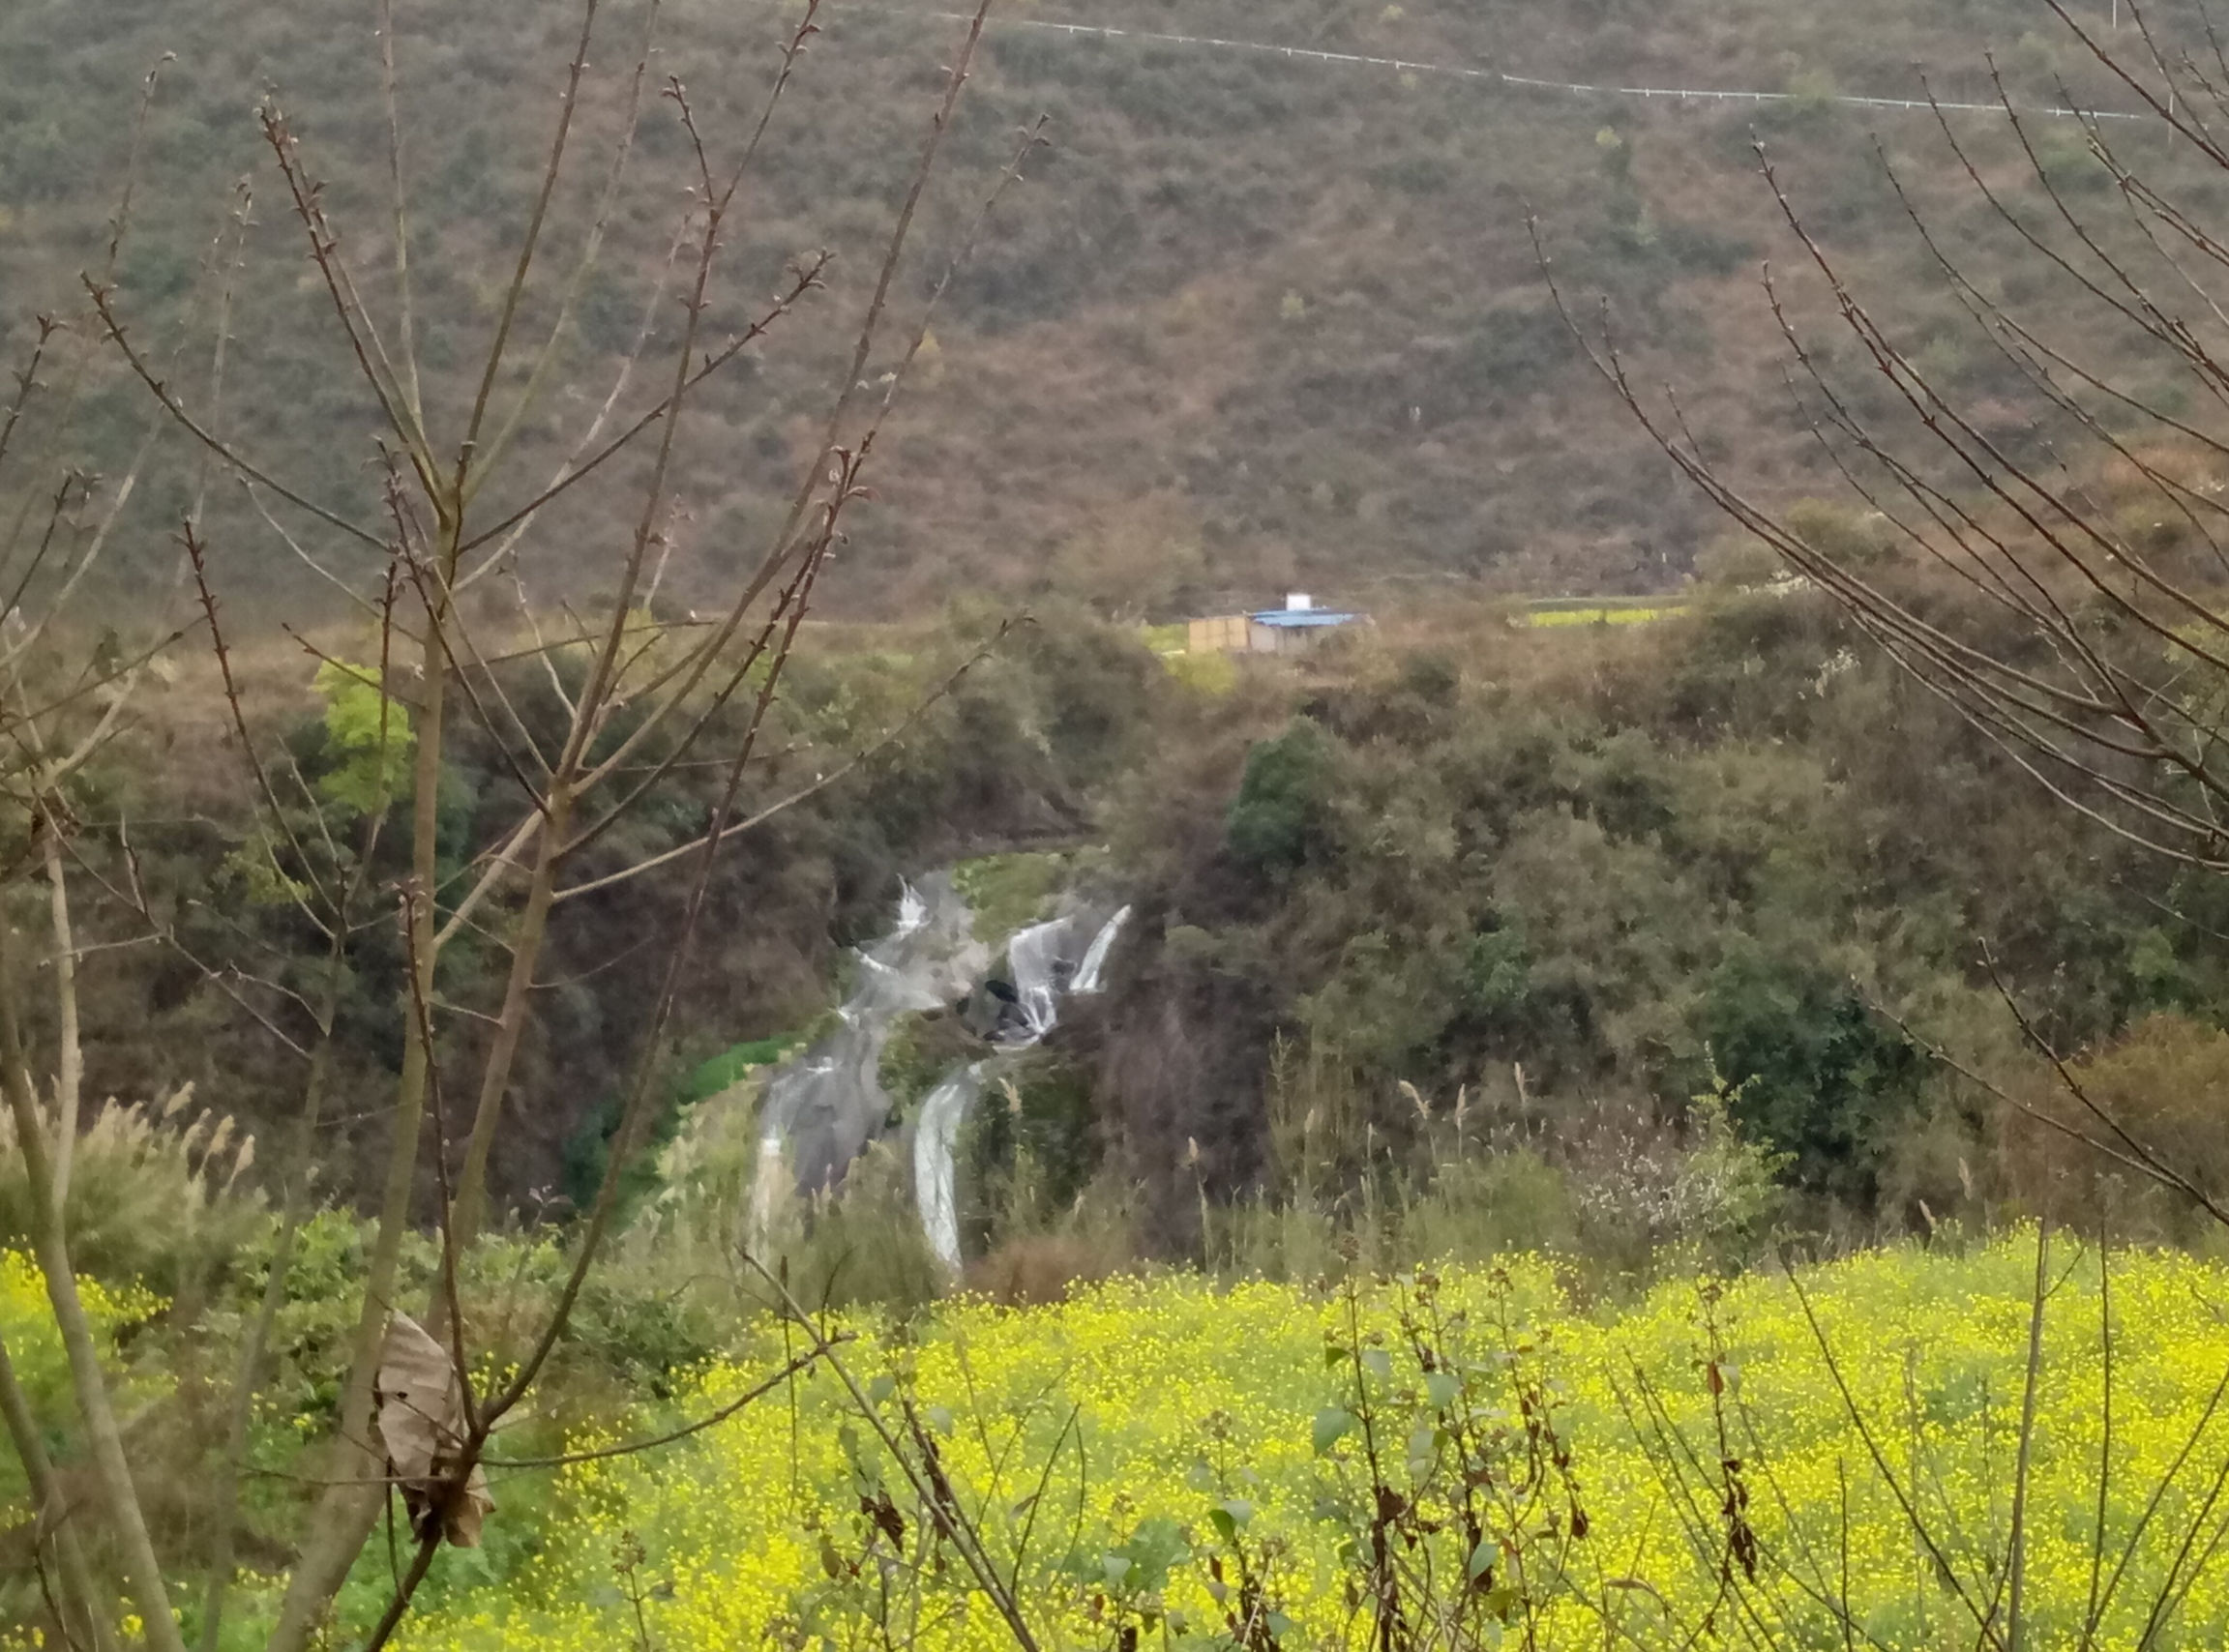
x=1300, y=619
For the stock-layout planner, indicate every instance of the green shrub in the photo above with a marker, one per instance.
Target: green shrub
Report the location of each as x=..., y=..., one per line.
x=733, y=1065
x=1282, y=807
x=921, y=1050
x=1008, y=892
x=1029, y=1145
x=368, y=740
x=1815, y=1072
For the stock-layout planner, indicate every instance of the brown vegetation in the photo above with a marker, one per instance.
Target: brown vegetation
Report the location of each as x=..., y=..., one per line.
x=1280, y=313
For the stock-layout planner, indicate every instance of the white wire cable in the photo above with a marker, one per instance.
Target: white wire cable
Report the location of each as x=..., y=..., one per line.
x=1465, y=72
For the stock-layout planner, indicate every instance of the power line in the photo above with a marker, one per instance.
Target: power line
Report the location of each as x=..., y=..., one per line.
x=1494, y=76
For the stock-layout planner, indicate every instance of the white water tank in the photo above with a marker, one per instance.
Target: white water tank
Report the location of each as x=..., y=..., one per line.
x=1298, y=601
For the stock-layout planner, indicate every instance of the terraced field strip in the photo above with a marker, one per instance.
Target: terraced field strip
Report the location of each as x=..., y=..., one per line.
x=1602, y=610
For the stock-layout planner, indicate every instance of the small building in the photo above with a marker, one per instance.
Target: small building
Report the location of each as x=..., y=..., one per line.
x=1293, y=628
x=1224, y=635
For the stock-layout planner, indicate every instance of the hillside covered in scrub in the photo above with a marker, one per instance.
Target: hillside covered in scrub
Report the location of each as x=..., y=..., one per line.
x=1250, y=319
x=1576, y=877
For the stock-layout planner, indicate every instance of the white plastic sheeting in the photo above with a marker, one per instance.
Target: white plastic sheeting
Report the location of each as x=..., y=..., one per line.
x=822, y=1108
x=1035, y=955
x=1038, y=958
x=1094, y=962
x=936, y=1135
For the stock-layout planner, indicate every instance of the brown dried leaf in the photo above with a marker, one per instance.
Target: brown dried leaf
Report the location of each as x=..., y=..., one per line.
x=421, y=1419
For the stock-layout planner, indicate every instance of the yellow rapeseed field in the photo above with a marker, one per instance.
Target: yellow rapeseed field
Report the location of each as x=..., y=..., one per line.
x=1173, y=1459
x=1630, y=614
x=35, y=1347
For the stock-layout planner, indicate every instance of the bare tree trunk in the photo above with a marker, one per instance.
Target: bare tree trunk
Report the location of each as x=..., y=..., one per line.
x=225, y=1504
x=344, y=1516
x=70, y=1060
x=511, y=1022
x=79, y=1593
x=113, y=1474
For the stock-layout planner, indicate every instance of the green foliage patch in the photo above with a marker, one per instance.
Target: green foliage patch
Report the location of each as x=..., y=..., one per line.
x=368, y=739
x=1737, y=840
x=733, y=1065
x=1008, y=892
x=1284, y=802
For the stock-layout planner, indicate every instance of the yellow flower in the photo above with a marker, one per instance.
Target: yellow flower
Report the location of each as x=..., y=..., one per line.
x=1183, y=1432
